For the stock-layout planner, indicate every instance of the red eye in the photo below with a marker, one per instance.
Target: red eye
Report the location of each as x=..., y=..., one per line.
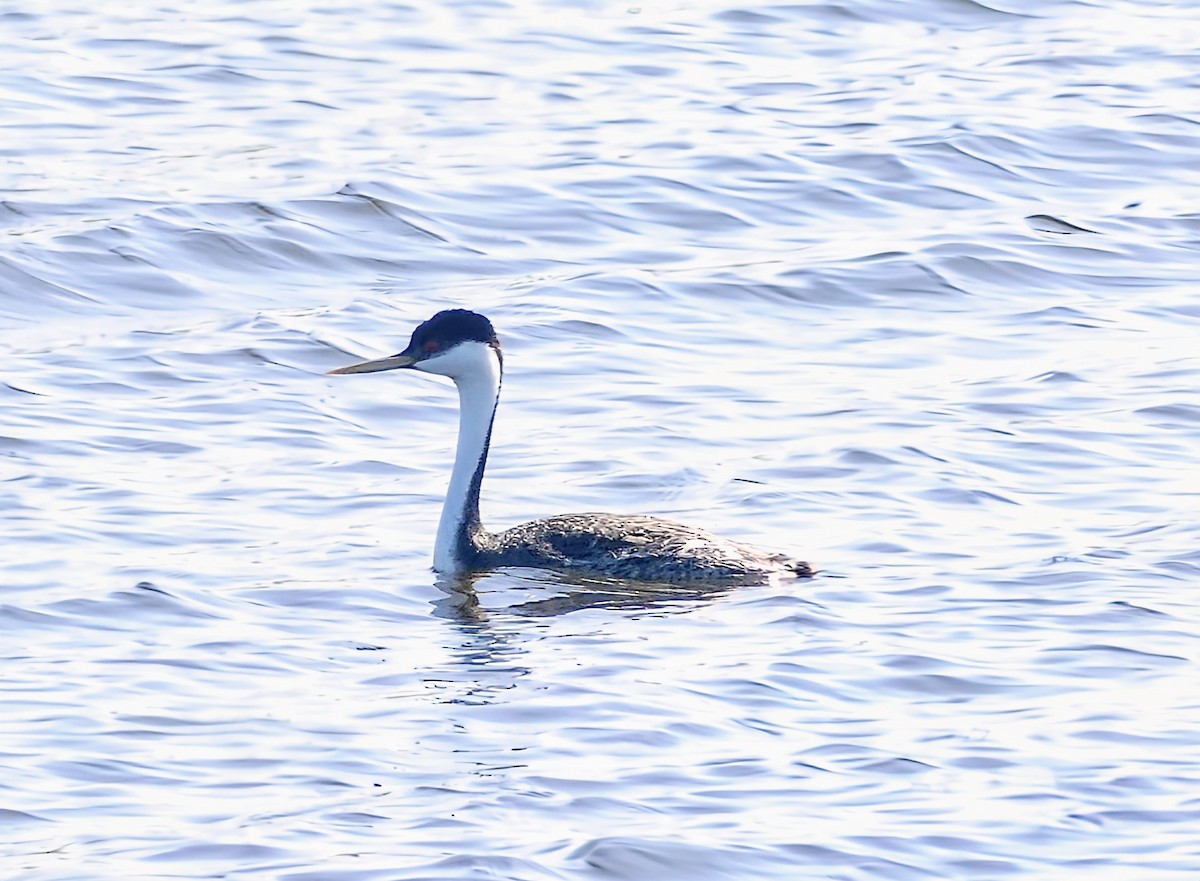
x=431, y=345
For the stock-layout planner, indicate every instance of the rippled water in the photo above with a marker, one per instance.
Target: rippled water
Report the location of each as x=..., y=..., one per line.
x=908, y=289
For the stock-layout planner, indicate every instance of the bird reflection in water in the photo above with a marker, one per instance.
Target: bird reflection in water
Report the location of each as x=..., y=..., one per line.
x=491, y=614
x=573, y=592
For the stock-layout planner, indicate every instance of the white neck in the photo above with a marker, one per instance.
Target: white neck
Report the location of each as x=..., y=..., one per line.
x=475, y=369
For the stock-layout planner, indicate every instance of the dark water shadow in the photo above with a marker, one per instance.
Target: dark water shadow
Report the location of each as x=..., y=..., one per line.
x=495, y=616
x=560, y=593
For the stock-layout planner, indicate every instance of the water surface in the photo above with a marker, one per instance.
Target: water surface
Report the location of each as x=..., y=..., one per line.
x=908, y=289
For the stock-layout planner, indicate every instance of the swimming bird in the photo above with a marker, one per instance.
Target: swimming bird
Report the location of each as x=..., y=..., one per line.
x=463, y=346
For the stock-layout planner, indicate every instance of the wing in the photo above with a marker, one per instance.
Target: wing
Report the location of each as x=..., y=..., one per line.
x=638, y=547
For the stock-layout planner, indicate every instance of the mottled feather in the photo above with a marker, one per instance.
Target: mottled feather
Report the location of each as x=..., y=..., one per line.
x=633, y=546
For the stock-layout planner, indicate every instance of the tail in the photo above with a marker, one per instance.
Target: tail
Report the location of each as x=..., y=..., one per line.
x=796, y=567
x=801, y=569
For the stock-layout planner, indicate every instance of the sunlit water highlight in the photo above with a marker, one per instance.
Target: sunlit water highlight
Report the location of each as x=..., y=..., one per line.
x=908, y=289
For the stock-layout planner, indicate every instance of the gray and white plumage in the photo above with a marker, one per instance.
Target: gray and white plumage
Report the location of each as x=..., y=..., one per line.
x=463, y=346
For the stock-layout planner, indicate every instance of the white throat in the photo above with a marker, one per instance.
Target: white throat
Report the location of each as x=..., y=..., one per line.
x=475, y=369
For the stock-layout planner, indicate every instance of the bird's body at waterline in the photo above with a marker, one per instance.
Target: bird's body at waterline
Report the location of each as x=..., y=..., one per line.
x=463, y=346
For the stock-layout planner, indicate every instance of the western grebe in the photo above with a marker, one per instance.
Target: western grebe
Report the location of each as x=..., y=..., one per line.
x=462, y=345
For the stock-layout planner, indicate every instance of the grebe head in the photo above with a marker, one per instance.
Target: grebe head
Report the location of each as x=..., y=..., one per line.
x=452, y=343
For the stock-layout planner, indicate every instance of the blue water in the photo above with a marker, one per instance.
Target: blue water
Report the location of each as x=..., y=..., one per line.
x=908, y=290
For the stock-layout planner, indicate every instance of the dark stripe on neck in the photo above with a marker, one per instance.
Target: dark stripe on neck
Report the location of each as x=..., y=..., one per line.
x=468, y=542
